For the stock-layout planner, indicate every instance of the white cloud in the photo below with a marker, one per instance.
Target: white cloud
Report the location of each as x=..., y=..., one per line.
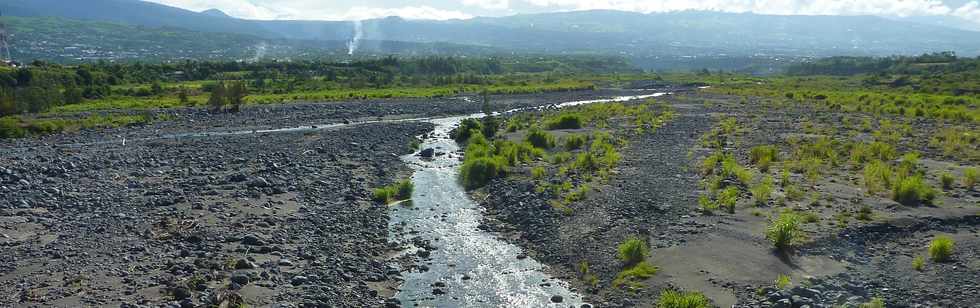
x=489, y=4
x=408, y=12
x=969, y=11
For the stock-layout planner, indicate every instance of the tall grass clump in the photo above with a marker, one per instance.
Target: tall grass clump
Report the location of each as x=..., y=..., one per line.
x=763, y=191
x=876, y=302
x=877, y=176
x=633, y=251
x=970, y=177
x=675, y=299
x=574, y=142
x=394, y=192
x=913, y=191
x=947, y=180
x=479, y=171
x=941, y=248
x=763, y=156
x=784, y=231
x=466, y=129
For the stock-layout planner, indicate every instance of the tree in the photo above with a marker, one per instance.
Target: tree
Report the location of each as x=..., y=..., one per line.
x=182, y=95
x=217, y=99
x=236, y=95
x=73, y=95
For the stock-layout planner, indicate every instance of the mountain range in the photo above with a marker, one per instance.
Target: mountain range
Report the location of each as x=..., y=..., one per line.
x=645, y=37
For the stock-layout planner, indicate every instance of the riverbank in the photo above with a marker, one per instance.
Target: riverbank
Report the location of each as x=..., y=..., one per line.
x=843, y=257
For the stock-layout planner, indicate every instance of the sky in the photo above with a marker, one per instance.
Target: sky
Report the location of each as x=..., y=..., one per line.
x=968, y=10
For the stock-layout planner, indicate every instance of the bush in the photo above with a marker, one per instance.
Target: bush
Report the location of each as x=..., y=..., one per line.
x=539, y=138
x=913, y=191
x=784, y=231
x=564, y=121
x=970, y=176
x=574, y=142
x=732, y=170
x=941, y=248
x=947, y=180
x=674, y=299
x=465, y=130
x=478, y=172
x=633, y=251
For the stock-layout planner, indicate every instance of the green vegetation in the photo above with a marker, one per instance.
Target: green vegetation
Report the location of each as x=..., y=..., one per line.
x=586, y=275
x=941, y=248
x=20, y=127
x=876, y=302
x=633, y=251
x=564, y=121
x=395, y=192
x=761, y=192
x=763, y=156
x=918, y=263
x=540, y=138
x=784, y=231
x=970, y=177
x=913, y=191
x=782, y=281
x=947, y=180
x=633, y=274
x=675, y=299
x=574, y=142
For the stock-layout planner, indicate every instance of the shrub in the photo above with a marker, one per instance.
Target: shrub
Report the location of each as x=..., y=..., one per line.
x=947, y=180
x=863, y=153
x=970, y=176
x=918, y=263
x=941, y=248
x=539, y=138
x=784, y=231
x=711, y=162
x=633, y=251
x=564, y=121
x=732, y=170
x=913, y=191
x=762, y=191
x=466, y=130
x=674, y=299
x=707, y=205
x=574, y=142
x=478, y=172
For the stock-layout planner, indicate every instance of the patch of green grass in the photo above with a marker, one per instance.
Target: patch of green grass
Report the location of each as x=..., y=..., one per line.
x=633, y=274
x=913, y=191
x=401, y=190
x=782, y=281
x=540, y=138
x=918, y=263
x=877, y=176
x=941, y=248
x=538, y=173
x=728, y=198
x=763, y=191
x=763, y=156
x=675, y=299
x=947, y=180
x=784, y=231
x=970, y=177
x=864, y=213
x=477, y=172
x=876, y=302
x=707, y=205
x=574, y=142
x=633, y=251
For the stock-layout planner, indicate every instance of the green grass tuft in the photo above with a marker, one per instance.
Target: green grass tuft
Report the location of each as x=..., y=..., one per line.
x=675, y=299
x=633, y=251
x=941, y=248
x=784, y=231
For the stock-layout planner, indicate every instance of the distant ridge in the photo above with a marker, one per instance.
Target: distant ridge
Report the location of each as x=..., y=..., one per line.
x=688, y=33
x=216, y=13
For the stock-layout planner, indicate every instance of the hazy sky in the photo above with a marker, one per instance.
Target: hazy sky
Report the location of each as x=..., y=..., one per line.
x=452, y=9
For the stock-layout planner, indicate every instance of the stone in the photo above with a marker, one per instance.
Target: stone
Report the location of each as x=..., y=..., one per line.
x=240, y=279
x=427, y=153
x=557, y=299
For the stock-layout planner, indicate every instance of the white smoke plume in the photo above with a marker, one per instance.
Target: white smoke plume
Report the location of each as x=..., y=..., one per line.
x=354, y=43
x=260, y=51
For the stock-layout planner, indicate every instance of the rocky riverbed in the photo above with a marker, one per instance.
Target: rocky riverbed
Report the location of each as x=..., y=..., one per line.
x=151, y=216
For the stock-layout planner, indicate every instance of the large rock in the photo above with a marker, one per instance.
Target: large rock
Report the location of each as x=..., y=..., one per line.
x=428, y=153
